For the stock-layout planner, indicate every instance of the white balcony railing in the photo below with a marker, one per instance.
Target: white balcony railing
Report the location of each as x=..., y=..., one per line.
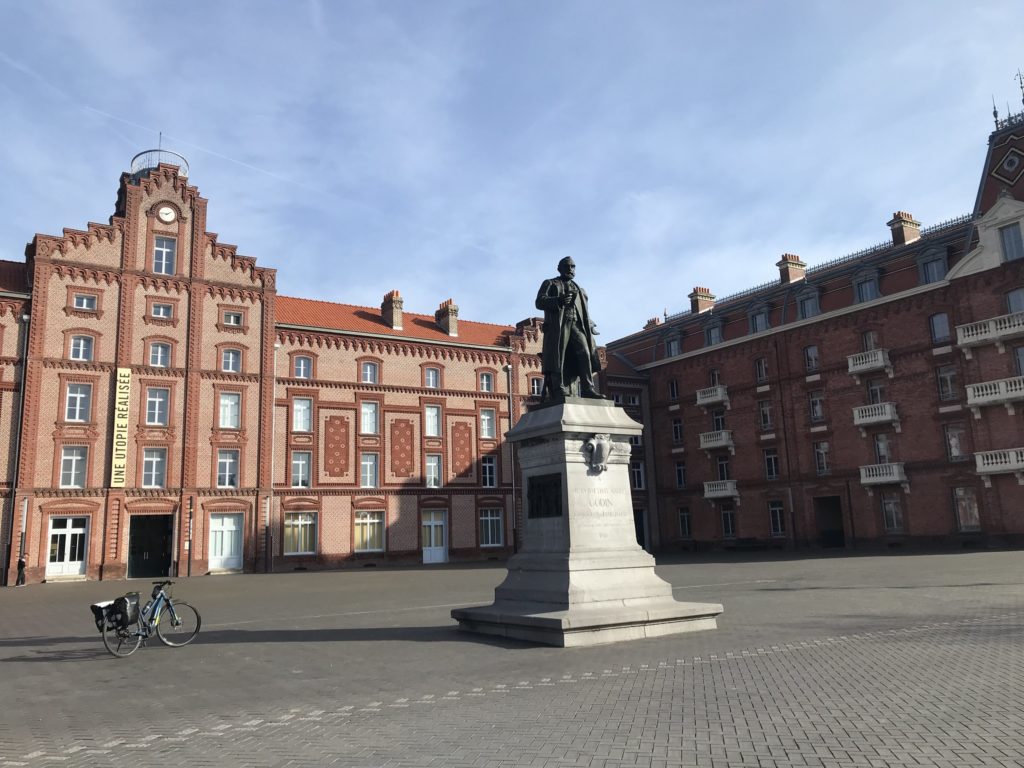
x=869, y=362
x=1006, y=461
x=721, y=489
x=884, y=474
x=995, y=330
x=876, y=413
x=710, y=441
x=716, y=395
x=999, y=392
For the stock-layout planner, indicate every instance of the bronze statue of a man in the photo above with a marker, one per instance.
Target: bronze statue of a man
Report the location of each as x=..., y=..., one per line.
x=569, y=354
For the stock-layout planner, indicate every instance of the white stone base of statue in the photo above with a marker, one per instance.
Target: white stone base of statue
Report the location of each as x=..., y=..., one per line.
x=580, y=577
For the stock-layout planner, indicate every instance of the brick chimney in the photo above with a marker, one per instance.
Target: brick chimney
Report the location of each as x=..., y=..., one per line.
x=447, y=317
x=391, y=310
x=791, y=268
x=701, y=300
x=652, y=323
x=904, y=228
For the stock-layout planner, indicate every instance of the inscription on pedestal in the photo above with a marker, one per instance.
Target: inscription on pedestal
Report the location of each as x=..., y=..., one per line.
x=600, y=506
x=544, y=496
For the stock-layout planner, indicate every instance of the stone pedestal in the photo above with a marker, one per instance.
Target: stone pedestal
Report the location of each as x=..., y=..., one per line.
x=580, y=577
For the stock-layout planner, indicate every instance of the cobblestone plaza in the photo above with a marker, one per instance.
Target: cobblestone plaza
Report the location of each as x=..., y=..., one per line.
x=847, y=661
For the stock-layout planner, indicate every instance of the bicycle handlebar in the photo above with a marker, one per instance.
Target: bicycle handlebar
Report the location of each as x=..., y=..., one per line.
x=162, y=583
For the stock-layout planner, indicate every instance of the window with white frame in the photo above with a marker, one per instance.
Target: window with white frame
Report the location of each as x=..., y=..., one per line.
x=227, y=468
x=302, y=367
x=78, y=406
x=761, y=370
x=488, y=472
x=777, y=516
x=728, y=522
x=633, y=400
x=636, y=475
x=154, y=467
x=876, y=391
x=486, y=382
x=636, y=440
x=432, y=420
x=302, y=462
x=680, y=474
x=821, y=458
x=432, y=378
x=368, y=418
x=433, y=470
x=771, y=464
x=722, y=463
x=816, y=405
x=85, y=302
x=938, y=324
x=368, y=474
x=673, y=389
x=965, y=505
x=764, y=414
x=1015, y=301
x=369, y=531
x=231, y=360
x=956, y=441
x=159, y=354
x=72, y=466
x=487, y=426
x=1013, y=244
x=685, y=523
x=162, y=311
x=811, y=359
x=164, y=255
x=299, y=533
x=492, y=527
x=158, y=400
x=233, y=318
x=892, y=512
x=945, y=377
x=302, y=414
x=81, y=348
x=536, y=386
x=230, y=410
x=369, y=373
x=677, y=431
x=617, y=398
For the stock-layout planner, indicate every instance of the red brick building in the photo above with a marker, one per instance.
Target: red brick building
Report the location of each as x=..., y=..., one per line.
x=874, y=399
x=181, y=417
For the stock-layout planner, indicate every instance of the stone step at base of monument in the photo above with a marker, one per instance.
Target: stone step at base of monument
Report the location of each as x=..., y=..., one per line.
x=590, y=625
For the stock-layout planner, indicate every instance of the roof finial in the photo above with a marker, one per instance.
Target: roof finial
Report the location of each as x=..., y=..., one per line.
x=1020, y=80
x=995, y=112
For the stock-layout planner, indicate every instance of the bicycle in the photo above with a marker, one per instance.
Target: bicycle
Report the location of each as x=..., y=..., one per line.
x=125, y=627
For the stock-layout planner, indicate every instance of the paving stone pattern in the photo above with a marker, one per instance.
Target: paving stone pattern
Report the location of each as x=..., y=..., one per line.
x=924, y=666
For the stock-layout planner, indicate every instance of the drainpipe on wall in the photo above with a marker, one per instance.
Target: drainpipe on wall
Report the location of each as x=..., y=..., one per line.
x=17, y=458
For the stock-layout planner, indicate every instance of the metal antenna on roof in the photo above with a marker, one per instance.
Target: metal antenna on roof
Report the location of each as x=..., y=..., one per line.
x=1020, y=80
x=995, y=112
x=160, y=141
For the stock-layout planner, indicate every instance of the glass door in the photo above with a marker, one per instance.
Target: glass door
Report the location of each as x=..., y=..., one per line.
x=435, y=539
x=225, y=542
x=67, y=547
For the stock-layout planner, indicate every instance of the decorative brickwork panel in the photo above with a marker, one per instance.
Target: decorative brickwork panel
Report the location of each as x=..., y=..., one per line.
x=336, y=446
x=462, y=451
x=402, y=464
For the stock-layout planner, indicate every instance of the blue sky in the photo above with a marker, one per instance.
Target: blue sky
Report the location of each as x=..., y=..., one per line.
x=459, y=149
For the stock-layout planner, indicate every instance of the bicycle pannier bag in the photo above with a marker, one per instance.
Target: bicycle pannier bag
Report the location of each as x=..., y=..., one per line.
x=100, y=611
x=126, y=610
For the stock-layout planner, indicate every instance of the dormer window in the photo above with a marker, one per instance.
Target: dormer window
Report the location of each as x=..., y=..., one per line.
x=164, y=255
x=865, y=286
x=759, y=318
x=713, y=333
x=672, y=347
x=807, y=304
x=931, y=266
x=1013, y=245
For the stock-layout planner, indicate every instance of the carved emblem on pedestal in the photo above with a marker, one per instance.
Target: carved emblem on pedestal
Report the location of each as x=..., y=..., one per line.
x=597, y=450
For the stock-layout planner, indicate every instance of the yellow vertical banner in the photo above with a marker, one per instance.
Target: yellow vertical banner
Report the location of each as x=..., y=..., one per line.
x=122, y=407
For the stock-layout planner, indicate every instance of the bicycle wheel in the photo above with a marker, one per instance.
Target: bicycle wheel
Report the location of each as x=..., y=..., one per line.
x=121, y=642
x=178, y=624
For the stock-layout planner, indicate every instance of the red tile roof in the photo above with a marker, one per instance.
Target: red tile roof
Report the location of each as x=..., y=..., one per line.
x=346, y=317
x=14, y=276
